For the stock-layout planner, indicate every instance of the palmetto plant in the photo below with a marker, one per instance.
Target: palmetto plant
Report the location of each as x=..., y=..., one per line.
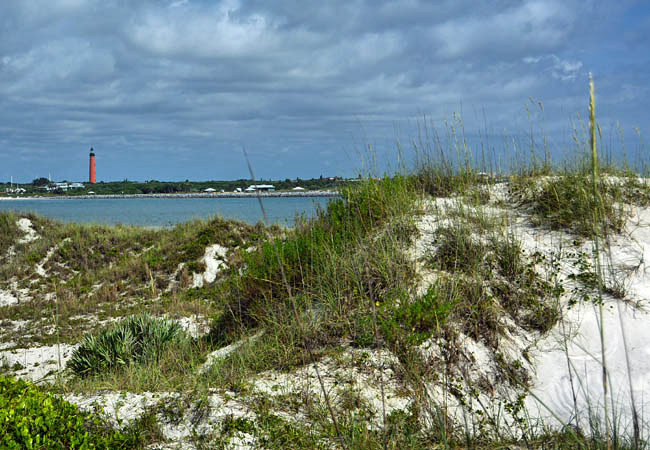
x=136, y=339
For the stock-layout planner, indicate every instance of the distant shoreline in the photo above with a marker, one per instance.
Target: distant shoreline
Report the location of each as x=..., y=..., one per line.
x=183, y=195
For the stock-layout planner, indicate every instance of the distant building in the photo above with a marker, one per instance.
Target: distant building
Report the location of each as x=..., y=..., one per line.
x=209, y=190
x=64, y=186
x=260, y=187
x=298, y=188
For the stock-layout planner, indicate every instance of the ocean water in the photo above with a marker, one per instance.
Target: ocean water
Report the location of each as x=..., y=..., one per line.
x=160, y=212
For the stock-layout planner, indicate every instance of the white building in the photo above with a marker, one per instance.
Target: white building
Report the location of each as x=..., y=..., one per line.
x=64, y=186
x=260, y=187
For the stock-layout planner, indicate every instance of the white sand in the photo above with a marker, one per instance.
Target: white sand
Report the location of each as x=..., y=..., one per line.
x=7, y=298
x=195, y=326
x=556, y=384
x=122, y=408
x=225, y=351
x=36, y=363
x=356, y=372
x=14, y=295
x=214, y=260
x=25, y=225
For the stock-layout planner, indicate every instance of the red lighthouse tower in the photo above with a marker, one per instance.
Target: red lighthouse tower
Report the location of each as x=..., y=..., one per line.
x=93, y=176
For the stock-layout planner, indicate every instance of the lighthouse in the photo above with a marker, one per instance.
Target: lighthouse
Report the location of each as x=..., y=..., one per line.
x=93, y=176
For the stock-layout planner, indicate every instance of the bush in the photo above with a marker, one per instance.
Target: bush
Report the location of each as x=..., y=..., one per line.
x=348, y=251
x=136, y=339
x=568, y=202
x=31, y=419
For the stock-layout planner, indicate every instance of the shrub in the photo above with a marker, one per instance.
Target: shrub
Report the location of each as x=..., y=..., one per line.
x=31, y=419
x=568, y=202
x=349, y=251
x=136, y=339
x=488, y=274
x=9, y=232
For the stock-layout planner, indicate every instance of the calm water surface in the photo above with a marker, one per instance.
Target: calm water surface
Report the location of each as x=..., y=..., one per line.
x=158, y=212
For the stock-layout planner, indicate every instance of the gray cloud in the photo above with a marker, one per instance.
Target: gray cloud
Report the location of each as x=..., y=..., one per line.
x=181, y=85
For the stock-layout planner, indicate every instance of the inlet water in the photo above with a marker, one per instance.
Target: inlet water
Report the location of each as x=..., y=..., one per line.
x=160, y=212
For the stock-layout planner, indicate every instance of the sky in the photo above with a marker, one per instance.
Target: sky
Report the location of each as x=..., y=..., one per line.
x=174, y=89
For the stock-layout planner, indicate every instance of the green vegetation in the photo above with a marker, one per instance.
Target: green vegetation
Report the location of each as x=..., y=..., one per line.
x=136, y=339
x=37, y=186
x=31, y=419
x=310, y=288
x=98, y=270
x=492, y=276
x=9, y=233
x=566, y=201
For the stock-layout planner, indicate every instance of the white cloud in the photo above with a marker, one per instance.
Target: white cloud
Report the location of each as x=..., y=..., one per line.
x=213, y=32
x=560, y=69
x=565, y=70
x=178, y=3
x=53, y=63
x=531, y=24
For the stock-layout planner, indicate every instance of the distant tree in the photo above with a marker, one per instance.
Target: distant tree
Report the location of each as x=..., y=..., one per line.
x=40, y=182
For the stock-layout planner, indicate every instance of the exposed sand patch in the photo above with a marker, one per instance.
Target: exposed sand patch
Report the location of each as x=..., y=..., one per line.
x=178, y=420
x=120, y=408
x=214, y=259
x=173, y=282
x=36, y=363
x=25, y=225
x=14, y=295
x=568, y=365
x=7, y=298
x=6, y=345
x=556, y=385
x=40, y=266
x=358, y=373
x=195, y=326
x=225, y=351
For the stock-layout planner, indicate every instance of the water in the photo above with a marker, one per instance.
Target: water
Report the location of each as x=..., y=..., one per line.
x=160, y=212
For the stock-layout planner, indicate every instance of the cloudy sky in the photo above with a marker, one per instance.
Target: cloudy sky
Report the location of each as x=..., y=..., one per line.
x=171, y=90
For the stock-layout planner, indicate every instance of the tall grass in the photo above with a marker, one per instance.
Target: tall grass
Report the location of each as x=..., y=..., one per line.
x=597, y=220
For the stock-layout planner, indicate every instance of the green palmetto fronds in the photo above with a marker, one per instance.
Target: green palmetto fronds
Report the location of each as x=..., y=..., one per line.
x=136, y=339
